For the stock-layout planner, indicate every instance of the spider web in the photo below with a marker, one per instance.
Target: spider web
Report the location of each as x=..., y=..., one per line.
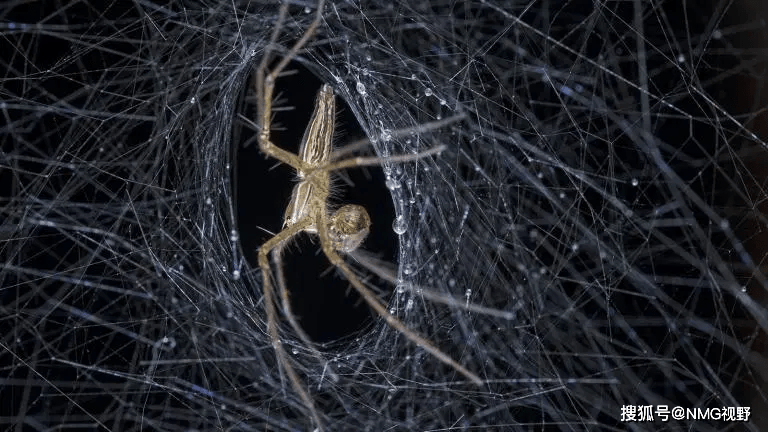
x=591, y=238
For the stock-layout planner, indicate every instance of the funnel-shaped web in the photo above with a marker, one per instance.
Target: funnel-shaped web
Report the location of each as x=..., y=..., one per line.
x=591, y=238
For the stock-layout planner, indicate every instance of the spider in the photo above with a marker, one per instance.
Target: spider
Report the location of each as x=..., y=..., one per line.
x=340, y=231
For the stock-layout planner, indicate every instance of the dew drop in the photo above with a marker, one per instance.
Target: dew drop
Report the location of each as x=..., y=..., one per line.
x=399, y=226
x=635, y=182
x=428, y=92
x=392, y=184
x=167, y=342
x=361, y=88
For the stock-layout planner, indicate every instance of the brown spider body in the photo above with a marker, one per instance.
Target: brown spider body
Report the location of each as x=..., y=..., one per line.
x=350, y=224
x=309, y=210
x=316, y=146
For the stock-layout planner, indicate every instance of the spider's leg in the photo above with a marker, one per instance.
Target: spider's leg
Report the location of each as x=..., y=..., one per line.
x=375, y=160
x=365, y=143
x=308, y=33
x=265, y=85
x=264, y=95
x=288, y=311
x=269, y=304
x=375, y=304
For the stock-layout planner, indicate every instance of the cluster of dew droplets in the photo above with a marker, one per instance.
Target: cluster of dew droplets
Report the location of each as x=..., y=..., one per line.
x=399, y=225
x=393, y=182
